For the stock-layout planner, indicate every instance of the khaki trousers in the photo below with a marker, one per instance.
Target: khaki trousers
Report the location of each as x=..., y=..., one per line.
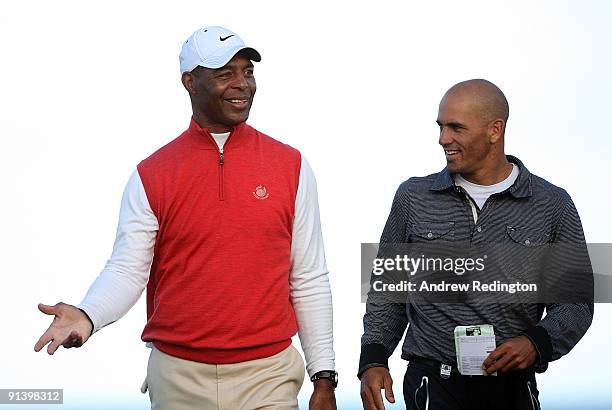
x=268, y=383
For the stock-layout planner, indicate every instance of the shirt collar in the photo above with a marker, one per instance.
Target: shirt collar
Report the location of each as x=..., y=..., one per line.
x=202, y=138
x=520, y=189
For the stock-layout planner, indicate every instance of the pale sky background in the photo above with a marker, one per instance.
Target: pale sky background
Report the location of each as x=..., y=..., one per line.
x=88, y=89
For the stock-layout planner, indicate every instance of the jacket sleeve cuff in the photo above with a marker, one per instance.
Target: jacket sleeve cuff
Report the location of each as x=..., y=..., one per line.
x=372, y=355
x=543, y=345
x=88, y=318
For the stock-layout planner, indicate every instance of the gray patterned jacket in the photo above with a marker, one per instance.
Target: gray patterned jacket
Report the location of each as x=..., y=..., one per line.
x=531, y=207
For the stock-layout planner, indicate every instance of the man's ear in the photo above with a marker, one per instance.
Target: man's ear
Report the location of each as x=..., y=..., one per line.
x=188, y=81
x=496, y=130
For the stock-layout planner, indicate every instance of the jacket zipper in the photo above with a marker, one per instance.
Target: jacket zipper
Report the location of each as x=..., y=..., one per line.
x=221, y=162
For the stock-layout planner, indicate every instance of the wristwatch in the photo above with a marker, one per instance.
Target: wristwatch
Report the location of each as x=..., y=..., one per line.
x=330, y=375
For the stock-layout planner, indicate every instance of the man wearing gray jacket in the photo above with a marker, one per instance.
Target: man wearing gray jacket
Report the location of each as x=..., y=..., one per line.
x=483, y=196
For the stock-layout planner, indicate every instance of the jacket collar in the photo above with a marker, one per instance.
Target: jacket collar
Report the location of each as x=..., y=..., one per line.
x=520, y=189
x=202, y=138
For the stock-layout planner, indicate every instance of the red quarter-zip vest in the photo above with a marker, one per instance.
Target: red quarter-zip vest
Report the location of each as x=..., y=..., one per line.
x=219, y=285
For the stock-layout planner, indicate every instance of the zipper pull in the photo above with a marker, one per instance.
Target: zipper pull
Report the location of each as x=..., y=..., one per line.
x=220, y=156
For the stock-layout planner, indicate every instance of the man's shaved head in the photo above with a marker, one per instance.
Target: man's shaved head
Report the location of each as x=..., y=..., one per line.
x=472, y=119
x=487, y=99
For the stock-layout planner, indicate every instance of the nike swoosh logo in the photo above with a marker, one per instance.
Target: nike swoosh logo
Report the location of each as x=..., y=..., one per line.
x=225, y=38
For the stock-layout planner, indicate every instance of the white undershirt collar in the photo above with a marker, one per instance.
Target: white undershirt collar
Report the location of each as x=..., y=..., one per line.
x=220, y=138
x=480, y=193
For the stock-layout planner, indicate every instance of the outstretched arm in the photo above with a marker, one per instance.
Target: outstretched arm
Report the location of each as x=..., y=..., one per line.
x=120, y=283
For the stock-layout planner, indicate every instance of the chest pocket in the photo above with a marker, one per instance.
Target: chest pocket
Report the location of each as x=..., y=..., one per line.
x=525, y=254
x=431, y=231
x=528, y=237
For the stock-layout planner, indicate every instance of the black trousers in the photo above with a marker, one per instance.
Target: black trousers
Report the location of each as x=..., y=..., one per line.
x=506, y=391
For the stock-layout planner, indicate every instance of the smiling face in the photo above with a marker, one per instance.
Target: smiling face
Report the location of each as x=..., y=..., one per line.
x=472, y=119
x=222, y=98
x=464, y=134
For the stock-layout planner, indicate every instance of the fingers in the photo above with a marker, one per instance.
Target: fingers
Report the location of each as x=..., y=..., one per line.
x=371, y=398
x=512, y=364
x=492, y=363
x=388, y=386
x=517, y=360
x=74, y=339
x=373, y=381
x=494, y=355
x=53, y=333
x=46, y=309
x=516, y=354
x=44, y=339
x=501, y=363
x=377, y=400
x=53, y=346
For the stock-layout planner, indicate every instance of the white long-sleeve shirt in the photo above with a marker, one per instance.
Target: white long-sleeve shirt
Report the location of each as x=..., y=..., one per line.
x=123, y=279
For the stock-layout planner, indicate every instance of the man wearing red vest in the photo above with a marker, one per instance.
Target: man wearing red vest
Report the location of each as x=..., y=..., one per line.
x=221, y=225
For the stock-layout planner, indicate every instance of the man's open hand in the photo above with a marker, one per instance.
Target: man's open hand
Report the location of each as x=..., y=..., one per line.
x=323, y=397
x=373, y=381
x=70, y=327
x=517, y=353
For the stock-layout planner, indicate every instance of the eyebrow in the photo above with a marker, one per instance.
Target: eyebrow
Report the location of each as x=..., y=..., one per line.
x=452, y=124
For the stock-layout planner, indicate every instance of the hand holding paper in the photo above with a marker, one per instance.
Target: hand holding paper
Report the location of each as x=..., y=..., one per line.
x=517, y=353
x=473, y=344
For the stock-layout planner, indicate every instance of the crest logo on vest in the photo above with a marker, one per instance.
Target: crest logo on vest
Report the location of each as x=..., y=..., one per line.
x=261, y=192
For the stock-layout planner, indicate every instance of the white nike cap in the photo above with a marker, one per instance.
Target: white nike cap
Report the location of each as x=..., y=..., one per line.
x=213, y=47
